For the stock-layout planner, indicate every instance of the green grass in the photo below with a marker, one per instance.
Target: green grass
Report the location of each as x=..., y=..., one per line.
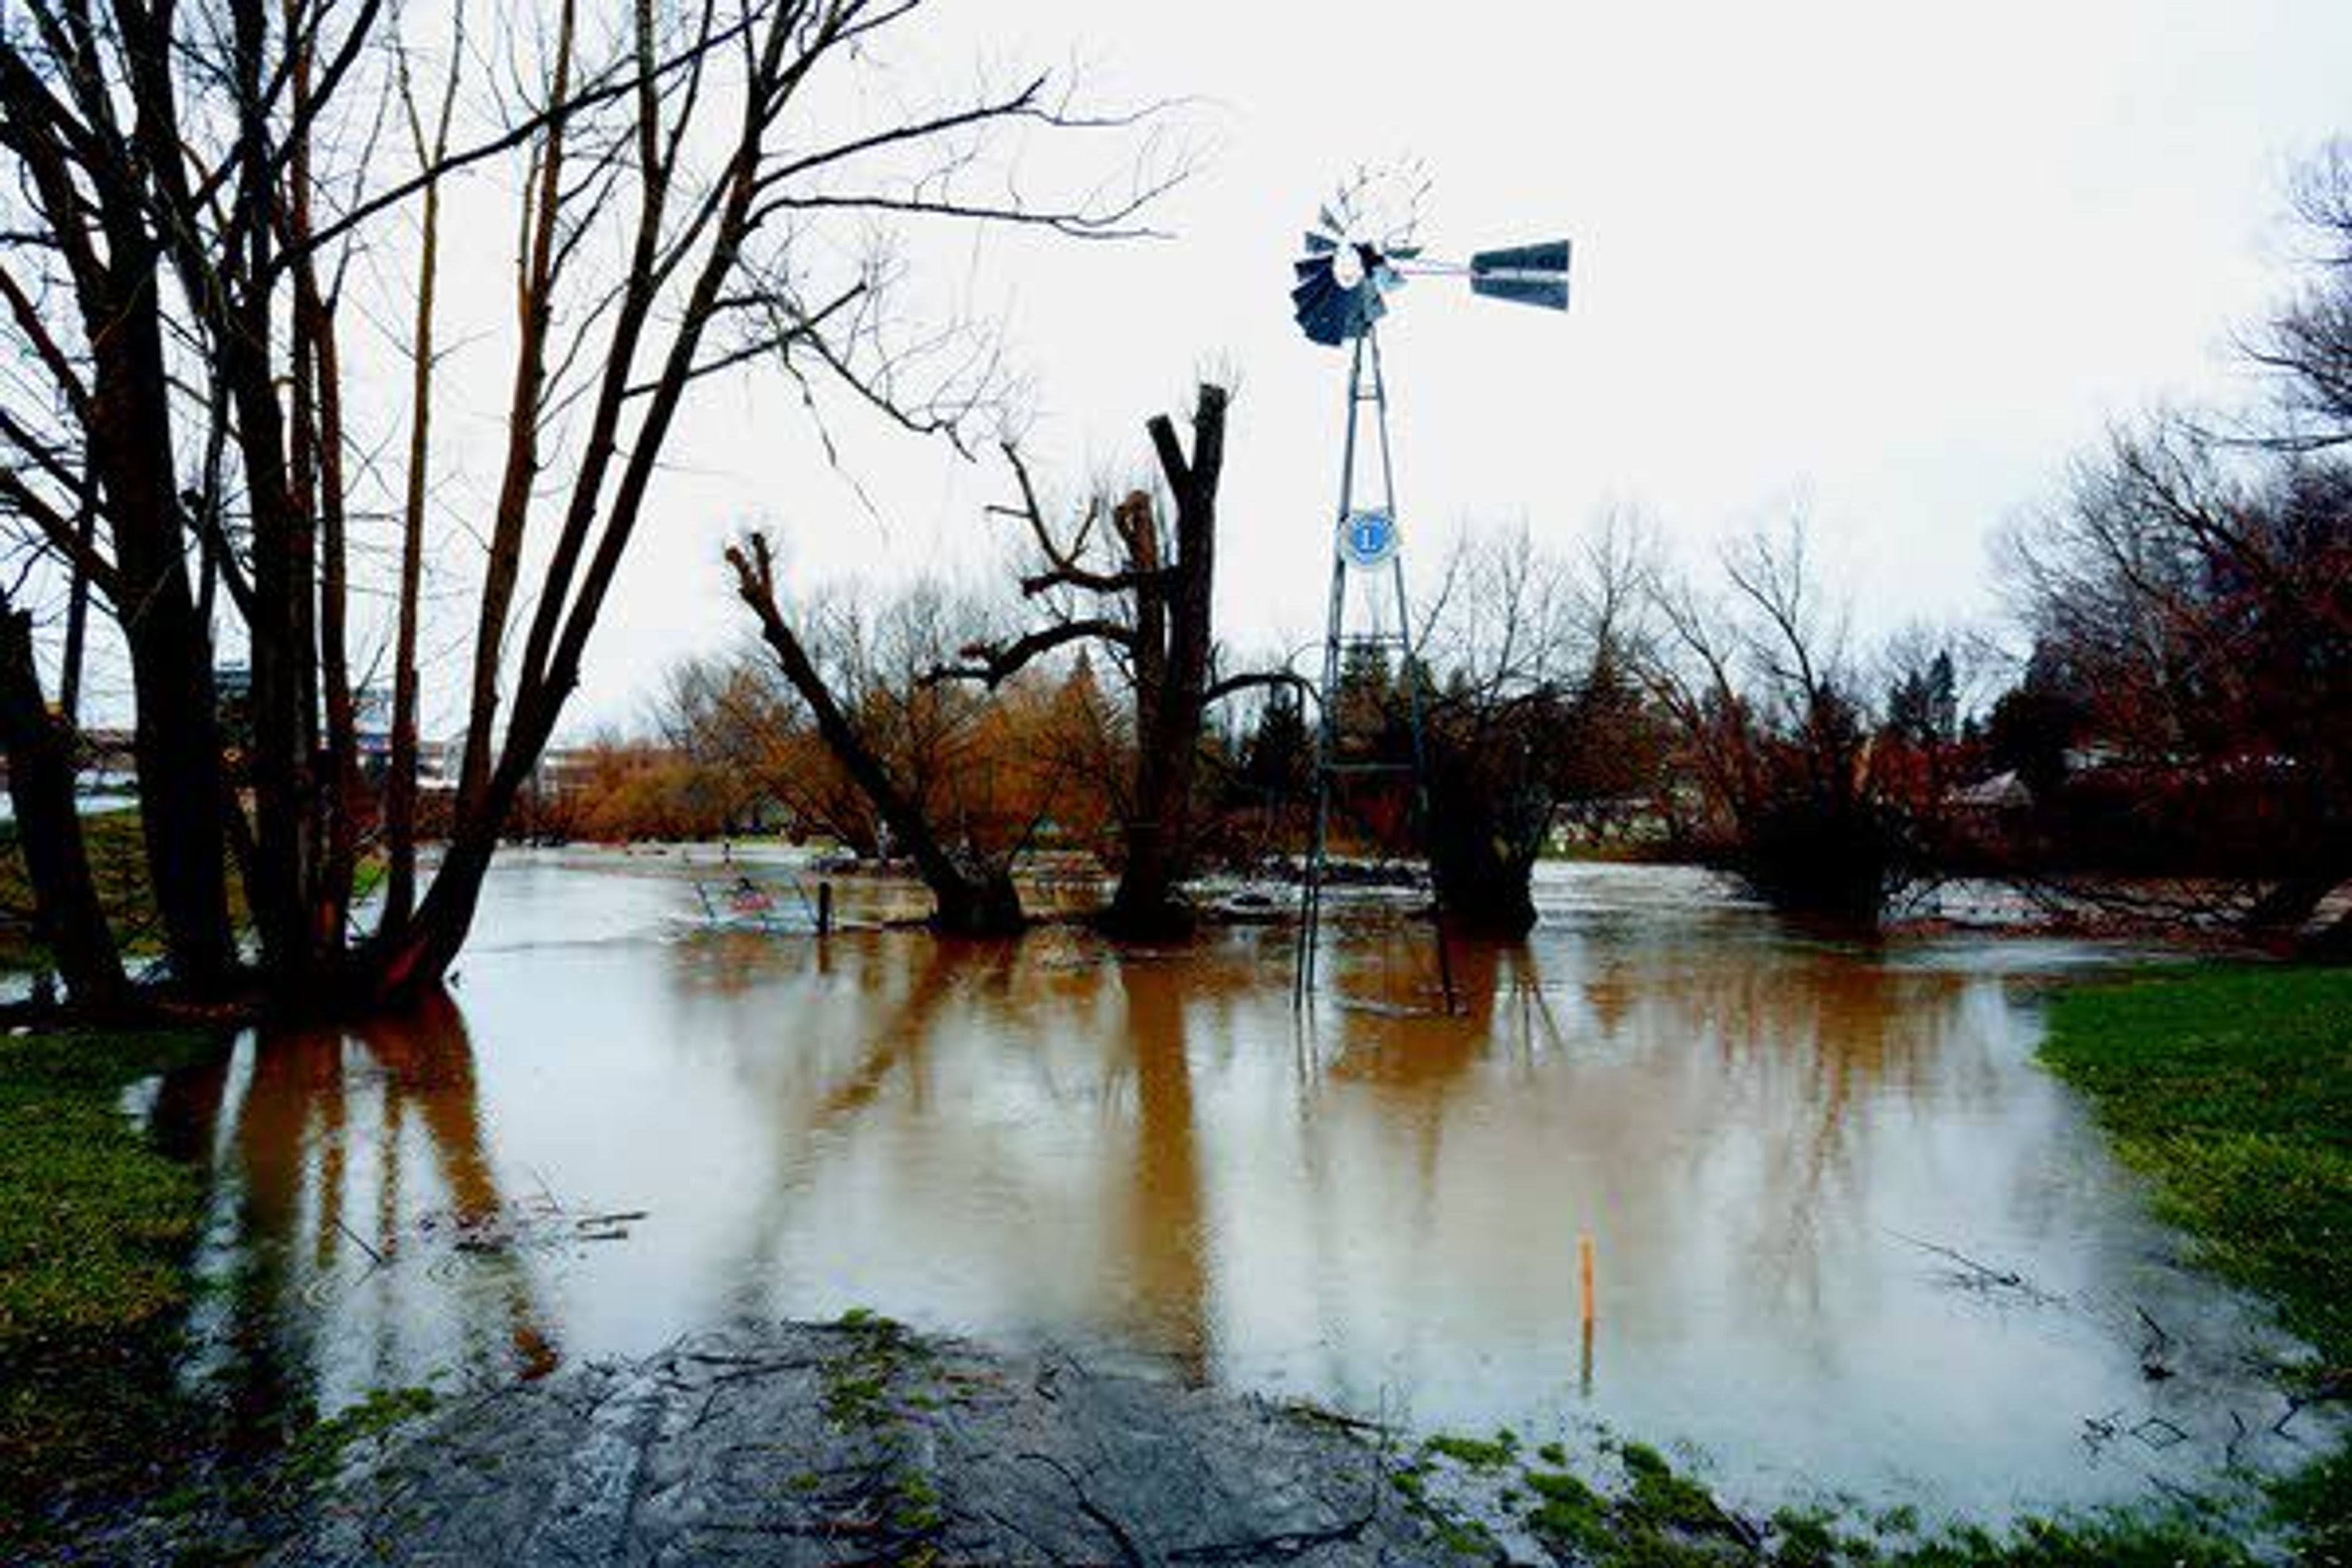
x=1656, y=1517
x=1479, y=1453
x=95, y=1227
x=2231, y=1088
x=117, y=864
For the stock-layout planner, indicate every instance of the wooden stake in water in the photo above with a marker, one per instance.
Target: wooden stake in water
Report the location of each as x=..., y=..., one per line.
x=1584, y=1280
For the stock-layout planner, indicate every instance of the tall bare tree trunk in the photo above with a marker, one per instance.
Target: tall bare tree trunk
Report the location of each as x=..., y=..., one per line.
x=534, y=304
x=175, y=735
x=319, y=433
x=282, y=617
x=68, y=914
x=400, y=781
x=1173, y=648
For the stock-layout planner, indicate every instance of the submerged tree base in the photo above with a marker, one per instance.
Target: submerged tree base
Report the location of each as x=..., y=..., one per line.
x=1167, y=919
x=985, y=906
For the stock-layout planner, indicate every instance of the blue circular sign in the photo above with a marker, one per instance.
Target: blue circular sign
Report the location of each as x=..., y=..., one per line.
x=1368, y=538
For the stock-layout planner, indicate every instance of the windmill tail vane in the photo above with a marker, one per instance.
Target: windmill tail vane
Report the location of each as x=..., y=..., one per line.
x=1525, y=274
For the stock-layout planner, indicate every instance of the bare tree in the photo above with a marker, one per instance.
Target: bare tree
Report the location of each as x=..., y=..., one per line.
x=2199, y=597
x=189, y=189
x=1143, y=589
x=972, y=887
x=1538, y=710
x=432, y=150
x=1779, y=740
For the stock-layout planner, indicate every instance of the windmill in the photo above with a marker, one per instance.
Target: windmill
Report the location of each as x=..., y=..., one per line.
x=1363, y=247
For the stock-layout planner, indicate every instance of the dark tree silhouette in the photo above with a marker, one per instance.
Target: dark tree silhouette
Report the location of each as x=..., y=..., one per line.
x=1145, y=593
x=186, y=192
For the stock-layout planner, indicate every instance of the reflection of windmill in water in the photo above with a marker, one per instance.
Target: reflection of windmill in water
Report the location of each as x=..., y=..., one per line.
x=1365, y=245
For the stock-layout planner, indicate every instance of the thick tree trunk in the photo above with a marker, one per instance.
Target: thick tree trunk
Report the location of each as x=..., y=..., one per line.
x=1485, y=885
x=175, y=738
x=282, y=619
x=182, y=796
x=68, y=914
x=1483, y=836
x=1173, y=645
x=278, y=759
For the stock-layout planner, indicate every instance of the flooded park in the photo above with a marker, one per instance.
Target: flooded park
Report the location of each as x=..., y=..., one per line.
x=877, y=783
x=1848, y=1238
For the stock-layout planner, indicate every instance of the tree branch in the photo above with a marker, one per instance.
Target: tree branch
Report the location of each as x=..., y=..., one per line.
x=992, y=665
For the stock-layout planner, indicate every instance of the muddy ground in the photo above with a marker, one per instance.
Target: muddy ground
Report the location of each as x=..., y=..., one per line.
x=857, y=1443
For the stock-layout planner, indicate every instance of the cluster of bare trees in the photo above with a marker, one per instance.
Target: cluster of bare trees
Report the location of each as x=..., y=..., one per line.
x=207, y=205
x=1132, y=578
x=1799, y=775
x=1602, y=694
x=2190, y=602
x=1590, y=692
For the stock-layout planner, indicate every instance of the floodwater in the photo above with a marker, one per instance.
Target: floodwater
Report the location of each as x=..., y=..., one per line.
x=625, y=1124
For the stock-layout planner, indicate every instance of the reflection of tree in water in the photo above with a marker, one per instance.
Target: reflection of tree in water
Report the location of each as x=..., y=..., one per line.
x=1787, y=1043
x=898, y=1041
x=1699, y=1103
x=292, y=1140
x=1165, y=1212
x=902, y=1044
x=427, y=1056
x=930, y=1000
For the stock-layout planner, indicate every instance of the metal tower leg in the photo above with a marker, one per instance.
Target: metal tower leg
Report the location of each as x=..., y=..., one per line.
x=1326, y=729
x=1414, y=676
x=1365, y=355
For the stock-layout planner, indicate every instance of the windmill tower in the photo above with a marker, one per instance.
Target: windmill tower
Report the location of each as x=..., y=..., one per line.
x=1364, y=246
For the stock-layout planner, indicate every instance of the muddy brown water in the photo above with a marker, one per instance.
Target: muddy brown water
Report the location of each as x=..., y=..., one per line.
x=624, y=1126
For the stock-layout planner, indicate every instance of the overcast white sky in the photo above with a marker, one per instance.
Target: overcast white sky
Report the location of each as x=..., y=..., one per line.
x=1891, y=262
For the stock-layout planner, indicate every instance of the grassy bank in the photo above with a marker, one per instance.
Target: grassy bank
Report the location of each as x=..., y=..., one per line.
x=1635, y=1510
x=95, y=1227
x=117, y=864
x=2231, y=1088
